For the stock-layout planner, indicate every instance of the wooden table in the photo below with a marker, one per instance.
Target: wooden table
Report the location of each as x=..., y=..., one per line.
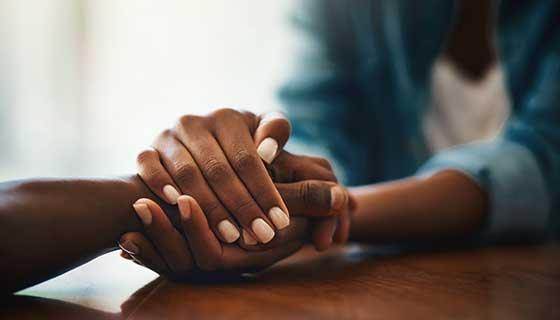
x=521, y=282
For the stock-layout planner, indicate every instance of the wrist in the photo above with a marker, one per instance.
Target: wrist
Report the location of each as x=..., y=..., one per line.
x=446, y=204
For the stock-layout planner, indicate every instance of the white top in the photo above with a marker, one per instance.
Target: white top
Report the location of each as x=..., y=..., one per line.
x=462, y=110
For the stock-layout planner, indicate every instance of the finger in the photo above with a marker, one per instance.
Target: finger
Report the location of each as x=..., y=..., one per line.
x=323, y=232
x=342, y=232
x=125, y=255
x=167, y=240
x=134, y=244
x=312, y=198
x=320, y=161
x=238, y=259
x=342, y=228
x=238, y=146
x=290, y=168
x=206, y=248
x=272, y=133
x=298, y=230
x=180, y=164
x=223, y=180
x=155, y=176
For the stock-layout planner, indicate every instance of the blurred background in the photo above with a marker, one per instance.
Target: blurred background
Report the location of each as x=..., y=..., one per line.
x=84, y=85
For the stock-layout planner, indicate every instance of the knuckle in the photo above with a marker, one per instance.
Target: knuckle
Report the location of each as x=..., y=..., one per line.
x=314, y=195
x=212, y=211
x=262, y=194
x=187, y=120
x=325, y=163
x=185, y=173
x=225, y=112
x=244, y=207
x=166, y=133
x=146, y=156
x=330, y=177
x=153, y=175
x=303, y=192
x=244, y=161
x=215, y=170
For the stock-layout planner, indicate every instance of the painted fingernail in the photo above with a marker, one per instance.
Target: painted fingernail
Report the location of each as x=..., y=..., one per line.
x=171, y=193
x=267, y=149
x=248, y=239
x=184, y=207
x=143, y=213
x=263, y=231
x=337, y=198
x=228, y=231
x=279, y=218
x=129, y=247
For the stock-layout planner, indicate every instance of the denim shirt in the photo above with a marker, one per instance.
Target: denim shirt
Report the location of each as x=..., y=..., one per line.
x=362, y=83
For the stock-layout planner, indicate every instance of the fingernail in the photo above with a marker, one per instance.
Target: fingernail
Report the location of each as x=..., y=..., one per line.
x=171, y=193
x=129, y=247
x=263, y=231
x=184, y=207
x=143, y=212
x=267, y=149
x=337, y=198
x=279, y=218
x=248, y=239
x=228, y=231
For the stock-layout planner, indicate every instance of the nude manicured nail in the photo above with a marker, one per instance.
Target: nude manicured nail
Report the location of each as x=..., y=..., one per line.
x=171, y=193
x=184, y=207
x=129, y=247
x=228, y=231
x=143, y=213
x=338, y=197
x=267, y=149
x=263, y=231
x=248, y=239
x=279, y=218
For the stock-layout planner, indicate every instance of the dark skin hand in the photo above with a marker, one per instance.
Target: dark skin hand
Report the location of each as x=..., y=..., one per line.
x=170, y=257
x=214, y=159
x=50, y=226
x=445, y=206
x=222, y=160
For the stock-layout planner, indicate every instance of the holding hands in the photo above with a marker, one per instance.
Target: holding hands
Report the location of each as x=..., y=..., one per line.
x=244, y=203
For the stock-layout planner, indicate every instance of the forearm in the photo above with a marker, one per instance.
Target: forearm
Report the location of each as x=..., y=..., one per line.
x=50, y=226
x=446, y=205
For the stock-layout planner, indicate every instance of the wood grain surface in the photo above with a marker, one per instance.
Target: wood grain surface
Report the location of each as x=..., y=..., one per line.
x=510, y=282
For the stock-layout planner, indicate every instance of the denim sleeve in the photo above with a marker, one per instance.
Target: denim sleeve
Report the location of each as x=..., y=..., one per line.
x=322, y=94
x=520, y=170
x=359, y=80
x=509, y=172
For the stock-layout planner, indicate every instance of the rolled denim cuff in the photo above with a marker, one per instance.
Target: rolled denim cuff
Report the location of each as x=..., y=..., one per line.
x=509, y=173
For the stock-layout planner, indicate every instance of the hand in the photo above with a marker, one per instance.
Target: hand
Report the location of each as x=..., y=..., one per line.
x=169, y=254
x=191, y=154
x=214, y=159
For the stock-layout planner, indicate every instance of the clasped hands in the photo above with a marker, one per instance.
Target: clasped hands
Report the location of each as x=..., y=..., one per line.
x=243, y=202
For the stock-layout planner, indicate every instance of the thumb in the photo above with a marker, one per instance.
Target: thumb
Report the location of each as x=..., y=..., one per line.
x=272, y=133
x=313, y=198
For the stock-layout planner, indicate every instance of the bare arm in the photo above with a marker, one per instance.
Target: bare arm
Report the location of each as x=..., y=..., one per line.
x=50, y=226
x=445, y=205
